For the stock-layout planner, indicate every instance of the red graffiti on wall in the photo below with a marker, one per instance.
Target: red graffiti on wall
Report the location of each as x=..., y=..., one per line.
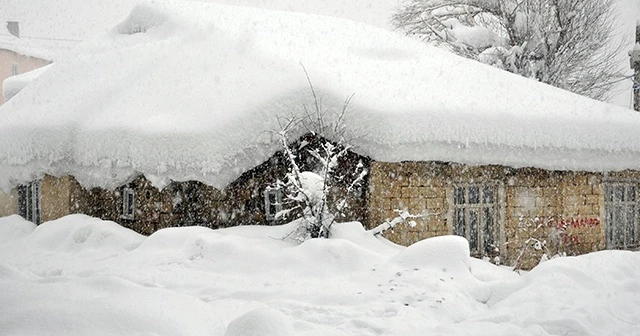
x=579, y=223
x=568, y=238
x=564, y=227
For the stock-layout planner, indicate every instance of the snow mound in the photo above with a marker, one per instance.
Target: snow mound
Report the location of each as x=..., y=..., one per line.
x=260, y=248
x=100, y=306
x=444, y=252
x=323, y=257
x=175, y=238
x=8, y=272
x=356, y=233
x=576, y=295
x=352, y=284
x=142, y=18
x=260, y=322
x=14, y=227
x=192, y=244
x=76, y=233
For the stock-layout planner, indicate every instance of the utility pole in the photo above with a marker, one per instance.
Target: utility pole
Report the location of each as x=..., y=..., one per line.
x=634, y=55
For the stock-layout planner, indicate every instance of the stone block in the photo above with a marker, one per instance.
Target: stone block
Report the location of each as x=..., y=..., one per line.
x=434, y=192
x=436, y=204
x=416, y=205
x=412, y=192
x=593, y=199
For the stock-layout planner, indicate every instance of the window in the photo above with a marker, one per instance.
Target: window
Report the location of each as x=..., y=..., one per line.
x=272, y=202
x=14, y=69
x=475, y=216
x=29, y=201
x=621, y=219
x=128, y=203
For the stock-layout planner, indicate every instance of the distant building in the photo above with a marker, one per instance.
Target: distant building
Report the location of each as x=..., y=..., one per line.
x=21, y=54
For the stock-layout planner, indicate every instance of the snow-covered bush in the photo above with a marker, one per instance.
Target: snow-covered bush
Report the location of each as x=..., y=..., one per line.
x=308, y=192
x=534, y=246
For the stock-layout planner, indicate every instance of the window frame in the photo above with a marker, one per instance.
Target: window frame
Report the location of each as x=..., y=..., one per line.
x=15, y=69
x=277, y=204
x=479, y=247
x=30, y=201
x=128, y=204
x=611, y=204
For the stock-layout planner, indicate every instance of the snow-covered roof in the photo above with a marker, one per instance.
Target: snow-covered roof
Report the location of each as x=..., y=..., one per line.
x=197, y=94
x=44, y=48
x=14, y=84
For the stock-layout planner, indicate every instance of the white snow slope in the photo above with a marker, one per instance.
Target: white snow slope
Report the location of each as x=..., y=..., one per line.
x=14, y=84
x=198, y=94
x=83, y=276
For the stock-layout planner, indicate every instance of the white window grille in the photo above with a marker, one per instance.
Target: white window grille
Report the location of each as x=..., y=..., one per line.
x=475, y=216
x=128, y=204
x=29, y=202
x=621, y=215
x=272, y=202
x=15, y=70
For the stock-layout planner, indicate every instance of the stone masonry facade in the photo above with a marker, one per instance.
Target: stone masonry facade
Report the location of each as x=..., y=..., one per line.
x=534, y=211
x=514, y=215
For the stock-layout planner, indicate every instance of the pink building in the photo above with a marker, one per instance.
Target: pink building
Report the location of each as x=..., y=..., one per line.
x=20, y=54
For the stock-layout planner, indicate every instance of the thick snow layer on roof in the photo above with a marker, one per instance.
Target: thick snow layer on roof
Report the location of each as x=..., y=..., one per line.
x=197, y=94
x=46, y=49
x=14, y=84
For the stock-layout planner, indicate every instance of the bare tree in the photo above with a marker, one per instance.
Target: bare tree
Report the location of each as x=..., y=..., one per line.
x=570, y=44
x=308, y=193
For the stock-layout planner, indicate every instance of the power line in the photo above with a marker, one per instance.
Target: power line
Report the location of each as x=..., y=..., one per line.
x=44, y=38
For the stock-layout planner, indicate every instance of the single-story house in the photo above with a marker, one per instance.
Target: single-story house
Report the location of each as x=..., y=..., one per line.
x=172, y=119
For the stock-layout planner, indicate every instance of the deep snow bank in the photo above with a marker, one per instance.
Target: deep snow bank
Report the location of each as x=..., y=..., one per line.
x=75, y=233
x=14, y=228
x=64, y=279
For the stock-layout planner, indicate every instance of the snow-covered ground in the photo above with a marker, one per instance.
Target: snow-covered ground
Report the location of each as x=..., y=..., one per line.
x=82, y=276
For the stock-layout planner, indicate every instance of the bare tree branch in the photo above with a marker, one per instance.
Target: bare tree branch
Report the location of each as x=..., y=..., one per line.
x=571, y=44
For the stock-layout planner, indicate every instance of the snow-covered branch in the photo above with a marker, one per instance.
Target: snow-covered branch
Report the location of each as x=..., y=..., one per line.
x=571, y=44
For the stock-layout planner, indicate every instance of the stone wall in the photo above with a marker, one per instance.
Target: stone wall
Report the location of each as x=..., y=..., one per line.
x=55, y=197
x=178, y=204
x=8, y=203
x=413, y=186
x=559, y=212
x=244, y=201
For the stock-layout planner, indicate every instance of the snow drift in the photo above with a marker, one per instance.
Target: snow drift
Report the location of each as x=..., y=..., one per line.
x=191, y=90
x=247, y=281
